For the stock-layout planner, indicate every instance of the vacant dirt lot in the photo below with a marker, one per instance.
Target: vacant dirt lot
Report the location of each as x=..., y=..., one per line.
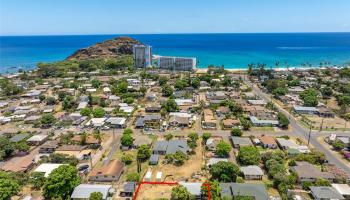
x=180, y=173
x=151, y=192
x=328, y=123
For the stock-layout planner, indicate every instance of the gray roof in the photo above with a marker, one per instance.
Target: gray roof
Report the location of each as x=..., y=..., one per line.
x=152, y=117
x=307, y=170
x=325, y=193
x=161, y=146
x=116, y=120
x=252, y=170
x=19, y=137
x=193, y=188
x=154, y=158
x=241, y=141
x=139, y=122
x=177, y=145
x=83, y=191
x=258, y=191
x=129, y=187
x=171, y=146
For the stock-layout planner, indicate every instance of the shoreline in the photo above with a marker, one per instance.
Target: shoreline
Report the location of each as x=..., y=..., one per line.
x=204, y=70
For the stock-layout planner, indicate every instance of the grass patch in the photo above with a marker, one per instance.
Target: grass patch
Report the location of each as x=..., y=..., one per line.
x=264, y=128
x=133, y=166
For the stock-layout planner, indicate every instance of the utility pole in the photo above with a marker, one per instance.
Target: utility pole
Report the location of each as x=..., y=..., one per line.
x=308, y=141
x=321, y=125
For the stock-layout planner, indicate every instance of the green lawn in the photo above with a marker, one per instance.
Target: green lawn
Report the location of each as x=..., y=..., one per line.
x=133, y=166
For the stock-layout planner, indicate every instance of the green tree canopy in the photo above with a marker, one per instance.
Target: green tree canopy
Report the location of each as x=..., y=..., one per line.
x=96, y=196
x=133, y=177
x=8, y=186
x=98, y=112
x=47, y=120
x=85, y=112
x=170, y=106
x=223, y=149
x=236, y=132
x=167, y=90
x=249, y=155
x=180, y=157
x=180, y=193
x=283, y=120
x=127, y=140
x=309, y=96
x=205, y=137
x=224, y=171
x=144, y=152
x=61, y=182
x=6, y=147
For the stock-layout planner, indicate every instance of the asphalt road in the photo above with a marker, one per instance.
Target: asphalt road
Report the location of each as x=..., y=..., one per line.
x=300, y=131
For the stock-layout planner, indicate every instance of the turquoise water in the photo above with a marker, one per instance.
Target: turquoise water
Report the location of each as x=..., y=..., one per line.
x=231, y=50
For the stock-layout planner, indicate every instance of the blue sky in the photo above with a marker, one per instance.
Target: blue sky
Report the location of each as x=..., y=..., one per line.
x=56, y=17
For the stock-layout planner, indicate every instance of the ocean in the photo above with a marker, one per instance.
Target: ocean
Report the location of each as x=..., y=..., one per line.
x=234, y=51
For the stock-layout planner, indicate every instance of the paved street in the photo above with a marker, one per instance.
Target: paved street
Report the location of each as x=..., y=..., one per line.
x=300, y=131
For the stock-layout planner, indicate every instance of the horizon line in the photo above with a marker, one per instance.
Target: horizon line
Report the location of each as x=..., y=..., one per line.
x=120, y=34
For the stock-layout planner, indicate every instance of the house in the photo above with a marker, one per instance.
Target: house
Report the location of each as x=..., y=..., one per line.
x=230, y=123
x=268, y=142
x=170, y=147
x=343, y=189
x=160, y=147
x=47, y=168
x=325, y=193
x=83, y=191
x=240, y=141
x=151, y=97
x=252, y=172
x=107, y=173
x=209, y=121
x=78, y=151
x=255, y=191
x=19, y=164
x=32, y=119
x=178, y=121
x=116, y=122
x=19, y=137
x=286, y=144
x=257, y=102
x=213, y=161
x=310, y=173
x=305, y=110
x=48, y=147
x=142, y=140
x=148, y=121
x=82, y=105
x=263, y=122
x=106, y=90
x=193, y=188
x=217, y=95
x=36, y=140
x=96, y=122
x=153, y=109
x=326, y=112
x=128, y=189
x=222, y=110
x=212, y=142
x=153, y=160
x=89, y=140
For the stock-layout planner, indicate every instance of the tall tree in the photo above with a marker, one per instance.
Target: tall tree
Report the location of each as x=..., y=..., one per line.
x=61, y=182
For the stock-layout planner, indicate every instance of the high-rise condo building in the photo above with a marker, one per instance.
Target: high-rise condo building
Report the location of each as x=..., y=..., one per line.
x=142, y=56
x=176, y=63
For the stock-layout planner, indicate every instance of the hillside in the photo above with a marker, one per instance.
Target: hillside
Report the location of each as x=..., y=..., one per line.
x=107, y=49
